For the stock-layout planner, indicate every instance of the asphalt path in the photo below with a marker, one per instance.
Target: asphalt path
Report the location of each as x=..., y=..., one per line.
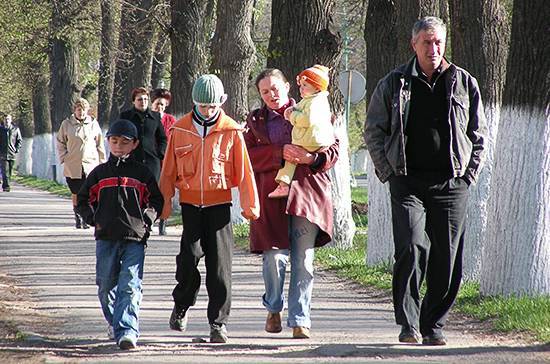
x=53, y=263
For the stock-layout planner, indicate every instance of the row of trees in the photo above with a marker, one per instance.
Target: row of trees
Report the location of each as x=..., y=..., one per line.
x=55, y=51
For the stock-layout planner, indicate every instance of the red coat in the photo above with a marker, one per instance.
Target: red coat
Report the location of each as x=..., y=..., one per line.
x=310, y=190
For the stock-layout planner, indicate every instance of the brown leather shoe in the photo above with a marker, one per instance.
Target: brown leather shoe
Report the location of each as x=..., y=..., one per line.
x=273, y=322
x=300, y=332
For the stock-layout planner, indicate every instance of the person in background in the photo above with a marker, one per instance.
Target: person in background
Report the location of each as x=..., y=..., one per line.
x=10, y=143
x=426, y=134
x=289, y=228
x=205, y=158
x=151, y=136
x=81, y=148
x=121, y=199
x=160, y=101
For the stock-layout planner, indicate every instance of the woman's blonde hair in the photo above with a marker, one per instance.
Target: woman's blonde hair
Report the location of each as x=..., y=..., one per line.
x=82, y=102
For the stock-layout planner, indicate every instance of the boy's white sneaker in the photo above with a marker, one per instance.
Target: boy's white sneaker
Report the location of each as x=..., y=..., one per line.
x=110, y=332
x=127, y=343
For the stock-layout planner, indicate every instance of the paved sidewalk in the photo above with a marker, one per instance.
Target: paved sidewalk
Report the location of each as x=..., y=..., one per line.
x=55, y=262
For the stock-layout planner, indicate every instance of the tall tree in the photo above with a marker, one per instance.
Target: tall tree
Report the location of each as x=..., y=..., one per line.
x=381, y=21
x=480, y=44
x=64, y=60
x=189, y=36
x=392, y=21
x=233, y=53
x=110, y=23
x=134, y=61
x=303, y=34
x=161, y=60
x=516, y=255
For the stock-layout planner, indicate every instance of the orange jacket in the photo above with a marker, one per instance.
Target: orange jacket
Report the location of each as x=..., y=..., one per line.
x=204, y=170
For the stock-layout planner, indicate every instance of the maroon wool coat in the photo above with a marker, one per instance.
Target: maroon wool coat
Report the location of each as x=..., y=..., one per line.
x=310, y=189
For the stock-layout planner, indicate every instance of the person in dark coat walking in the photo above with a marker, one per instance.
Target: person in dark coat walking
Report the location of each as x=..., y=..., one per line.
x=10, y=143
x=426, y=134
x=291, y=226
x=152, y=139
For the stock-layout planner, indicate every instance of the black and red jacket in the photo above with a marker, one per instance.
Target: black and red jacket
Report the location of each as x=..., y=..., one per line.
x=121, y=199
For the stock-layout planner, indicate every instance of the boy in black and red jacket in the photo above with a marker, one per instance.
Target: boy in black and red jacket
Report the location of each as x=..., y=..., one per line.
x=121, y=199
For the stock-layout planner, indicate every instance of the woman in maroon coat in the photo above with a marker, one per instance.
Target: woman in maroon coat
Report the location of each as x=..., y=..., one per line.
x=291, y=227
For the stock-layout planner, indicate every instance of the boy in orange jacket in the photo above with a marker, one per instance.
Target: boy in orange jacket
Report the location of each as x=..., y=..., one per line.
x=205, y=157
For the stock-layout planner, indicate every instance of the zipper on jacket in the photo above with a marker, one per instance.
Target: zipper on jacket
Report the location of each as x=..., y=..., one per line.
x=202, y=171
x=449, y=106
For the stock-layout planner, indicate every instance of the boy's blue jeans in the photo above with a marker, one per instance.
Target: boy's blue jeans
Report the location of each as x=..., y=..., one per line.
x=302, y=241
x=119, y=274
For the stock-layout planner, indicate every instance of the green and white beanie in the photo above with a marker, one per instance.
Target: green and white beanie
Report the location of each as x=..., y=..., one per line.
x=208, y=90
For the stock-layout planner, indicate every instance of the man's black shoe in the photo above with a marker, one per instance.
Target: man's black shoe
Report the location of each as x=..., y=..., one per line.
x=409, y=335
x=434, y=340
x=178, y=318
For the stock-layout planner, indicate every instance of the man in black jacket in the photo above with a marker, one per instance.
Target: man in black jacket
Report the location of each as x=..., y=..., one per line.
x=10, y=143
x=426, y=134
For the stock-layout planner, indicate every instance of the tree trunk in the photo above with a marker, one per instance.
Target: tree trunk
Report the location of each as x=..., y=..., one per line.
x=24, y=118
x=134, y=62
x=161, y=60
x=43, y=153
x=516, y=255
x=40, y=103
x=302, y=34
x=479, y=42
x=190, y=32
x=380, y=21
x=384, y=19
x=110, y=23
x=64, y=63
x=233, y=54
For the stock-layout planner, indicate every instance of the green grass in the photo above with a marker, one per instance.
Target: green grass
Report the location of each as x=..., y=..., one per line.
x=507, y=314
x=360, y=200
x=350, y=263
x=43, y=184
x=359, y=195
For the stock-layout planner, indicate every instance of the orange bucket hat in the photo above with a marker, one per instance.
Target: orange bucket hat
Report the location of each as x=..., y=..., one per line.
x=316, y=76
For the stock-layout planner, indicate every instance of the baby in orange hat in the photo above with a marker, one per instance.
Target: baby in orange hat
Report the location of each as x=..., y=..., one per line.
x=311, y=119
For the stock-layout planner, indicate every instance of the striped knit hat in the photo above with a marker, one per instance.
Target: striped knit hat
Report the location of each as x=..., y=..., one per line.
x=316, y=76
x=208, y=90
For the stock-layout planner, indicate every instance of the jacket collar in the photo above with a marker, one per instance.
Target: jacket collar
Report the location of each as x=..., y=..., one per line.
x=408, y=69
x=113, y=159
x=222, y=123
x=87, y=120
x=147, y=113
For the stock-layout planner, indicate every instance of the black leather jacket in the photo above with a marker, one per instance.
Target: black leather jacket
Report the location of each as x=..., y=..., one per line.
x=386, y=122
x=10, y=142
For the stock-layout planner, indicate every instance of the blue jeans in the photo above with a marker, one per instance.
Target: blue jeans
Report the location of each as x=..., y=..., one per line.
x=119, y=274
x=302, y=236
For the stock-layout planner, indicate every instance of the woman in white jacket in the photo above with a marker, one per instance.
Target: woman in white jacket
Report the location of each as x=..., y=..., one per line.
x=81, y=148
